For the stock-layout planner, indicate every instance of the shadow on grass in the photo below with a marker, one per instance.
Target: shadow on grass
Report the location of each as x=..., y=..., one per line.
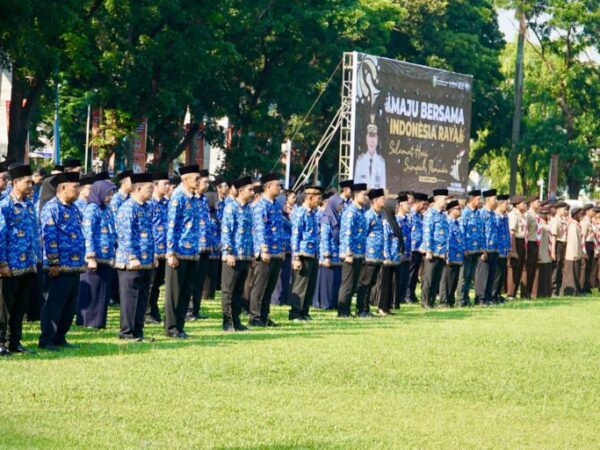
x=207, y=333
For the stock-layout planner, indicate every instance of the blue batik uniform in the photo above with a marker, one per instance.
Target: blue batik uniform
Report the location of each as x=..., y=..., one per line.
x=472, y=228
x=416, y=231
x=305, y=233
x=353, y=233
x=118, y=199
x=435, y=233
x=503, y=239
x=405, y=224
x=268, y=222
x=19, y=244
x=329, y=244
x=64, y=245
x=391, y=245
x=205, y=231
x=286, y=235
x=100, y=234
x=183, y=230
x=80, y=203
x=456, y=242
x=490, y=232
x=160, y=210
x=345, y=203
x=215, y=233
x=134, y=235
x=236, y=231
x=374, y=243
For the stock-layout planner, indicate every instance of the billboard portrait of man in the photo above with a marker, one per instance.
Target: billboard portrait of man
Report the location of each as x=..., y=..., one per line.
x=370, y=165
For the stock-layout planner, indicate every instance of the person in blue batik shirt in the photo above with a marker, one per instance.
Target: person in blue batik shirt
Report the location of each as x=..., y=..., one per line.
x=204, y=248
x=183, y=250
x=416, y=235
x=393, y=246
x=330, y=266
x=100, y=236
x=353, y=240
x=267, y=219
x=160, y=205
x=124, y=179
x=403, y=219
x=346, y=193
x=503, y=230
x=305, y=247
x=237, y=252
x=85, y=185
x=281, y=292
x=135, y=259
x=455, y=255
x=18, y=257
x=63, y=260
x=435, y=244
x=373, y=252
x=4, y=180
x=472, y=228
x=488, y=261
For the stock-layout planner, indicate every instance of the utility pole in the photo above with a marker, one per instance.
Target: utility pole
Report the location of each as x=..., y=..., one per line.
x=516, y=125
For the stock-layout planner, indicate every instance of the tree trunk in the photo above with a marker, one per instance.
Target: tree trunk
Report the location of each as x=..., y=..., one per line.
x=20, y=114
x=573, y=187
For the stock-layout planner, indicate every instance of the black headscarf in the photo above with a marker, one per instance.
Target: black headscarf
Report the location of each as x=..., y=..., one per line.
x=100, y=190
x=389, y=211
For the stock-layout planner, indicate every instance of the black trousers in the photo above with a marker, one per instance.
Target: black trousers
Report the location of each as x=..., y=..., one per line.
x=449, y=283
x=499, y=279
x=232, y=288
x=201, y=270
x=588, y=267
x=402, y=279
x=60, y=300
x=304, y=283
x=385, y=295
x=179, y=284
x=265, y=279
x=413, y=276
x=211, y=280
x=366, y=281
x=516, y=264
x=432, y=276
x=467, y=274
x=531, y=264
x=134, y=290
x=13, y=305
x=36, y=296
x=157, y=280
x=350, y=274
x=558, y=266
x=484, y=278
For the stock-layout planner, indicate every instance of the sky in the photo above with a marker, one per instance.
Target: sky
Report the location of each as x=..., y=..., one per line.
x=510, y=27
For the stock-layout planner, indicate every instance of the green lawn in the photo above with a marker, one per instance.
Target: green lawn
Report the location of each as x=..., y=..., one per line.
x=524, y=375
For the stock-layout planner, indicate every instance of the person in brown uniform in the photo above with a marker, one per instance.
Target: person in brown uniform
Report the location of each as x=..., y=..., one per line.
x=543, y=284
x=531, y=261
x=516, y=257
x=558, y=241
x=573, y=256
x=587, y=234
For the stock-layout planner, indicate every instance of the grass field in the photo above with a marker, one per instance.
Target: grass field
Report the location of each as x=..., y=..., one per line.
x=524, y=375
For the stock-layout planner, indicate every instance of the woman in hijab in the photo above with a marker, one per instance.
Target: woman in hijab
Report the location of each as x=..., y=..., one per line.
x=330, y=268
x=100, y=239
x=393, y=246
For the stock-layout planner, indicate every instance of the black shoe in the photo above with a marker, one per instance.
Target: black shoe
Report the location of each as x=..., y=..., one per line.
x=298, y=319
x=272, y=324
x=202, y=316
x=228, y=328
x=183, y=335
x=307, y=317
x=365, y=315
x=174, y=334
x=344, y=316
x=4, y=351
x=69, y=346
x=241, y=327
x=465, y=304
x=20, y=349
x=144, y=340
x=50, y=348
x=256, y=322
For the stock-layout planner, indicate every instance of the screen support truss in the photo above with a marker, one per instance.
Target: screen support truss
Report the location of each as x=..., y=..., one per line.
x=342, y=121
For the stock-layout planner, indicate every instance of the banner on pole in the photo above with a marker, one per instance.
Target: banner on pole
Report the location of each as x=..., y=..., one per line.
x=411, y=126
x=139, y=146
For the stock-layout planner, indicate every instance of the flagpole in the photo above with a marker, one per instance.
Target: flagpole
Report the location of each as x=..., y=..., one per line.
x=87, y=138
x=56, y=131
